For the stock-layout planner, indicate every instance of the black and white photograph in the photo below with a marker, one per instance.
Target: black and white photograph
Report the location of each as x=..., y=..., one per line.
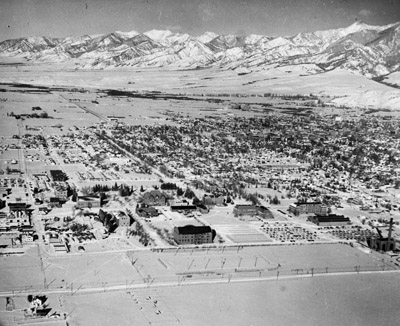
x=200, y=162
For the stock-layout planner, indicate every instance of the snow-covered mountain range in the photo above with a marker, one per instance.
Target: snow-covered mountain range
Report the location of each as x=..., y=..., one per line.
x=368, y=50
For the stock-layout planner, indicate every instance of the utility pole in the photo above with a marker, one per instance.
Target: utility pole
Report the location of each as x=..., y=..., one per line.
x=240, y=261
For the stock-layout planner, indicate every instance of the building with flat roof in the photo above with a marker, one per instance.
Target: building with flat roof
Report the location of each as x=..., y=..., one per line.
x=252, y=210
x=191, y=234
x=308, y=208
x=184, y=208
x=88, y=202
x=329, y=220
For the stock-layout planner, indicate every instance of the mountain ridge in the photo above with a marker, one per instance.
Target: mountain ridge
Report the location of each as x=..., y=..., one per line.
x=368, y=50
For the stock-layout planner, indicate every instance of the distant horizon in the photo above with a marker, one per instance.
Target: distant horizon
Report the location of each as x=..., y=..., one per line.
x=74, y=18
x=183, y=32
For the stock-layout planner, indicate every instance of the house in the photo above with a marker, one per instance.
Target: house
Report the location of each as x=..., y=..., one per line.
x=191, y=234
x=44, y=210
x=123, y=219
x=147, y=211
x=308, y=208
x=155, y=198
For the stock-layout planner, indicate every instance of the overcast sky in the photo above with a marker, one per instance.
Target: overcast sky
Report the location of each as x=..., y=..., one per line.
x=61, y=18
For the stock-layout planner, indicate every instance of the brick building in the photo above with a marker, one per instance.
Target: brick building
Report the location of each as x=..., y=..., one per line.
x=251, y=210
x=308, y=208
x=191, y=234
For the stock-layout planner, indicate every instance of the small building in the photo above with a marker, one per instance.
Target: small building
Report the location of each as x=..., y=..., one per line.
x=329, y=220
x=56, y=202
x=191, y=234
x=44, y=209
x=123, y=219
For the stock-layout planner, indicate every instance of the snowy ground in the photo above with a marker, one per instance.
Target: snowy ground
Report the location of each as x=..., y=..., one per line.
x=337, y=300
x=350, y=89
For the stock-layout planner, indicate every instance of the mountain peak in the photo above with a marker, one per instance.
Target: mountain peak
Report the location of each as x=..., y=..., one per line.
x=207, y=37
x=358, y=26
x=158, y=35
x=126, y=35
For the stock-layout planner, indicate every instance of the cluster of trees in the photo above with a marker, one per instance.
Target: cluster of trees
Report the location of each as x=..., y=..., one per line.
x=125, y=191
x=140, y=232
x=166, y=235
x=100, y=188
x=274, y=200
x=189, y=193
x=168, y=186
x=79, y=228
x=109, y=221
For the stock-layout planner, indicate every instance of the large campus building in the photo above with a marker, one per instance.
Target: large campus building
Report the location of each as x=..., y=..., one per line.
x=155, y=198
x=251, y=210
x=308, y=208
x=329, y=220
x=191, y=234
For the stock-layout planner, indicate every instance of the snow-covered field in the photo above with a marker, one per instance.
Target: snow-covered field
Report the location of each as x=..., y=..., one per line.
x=393, y=79
x=347, y=88
x=327, y=300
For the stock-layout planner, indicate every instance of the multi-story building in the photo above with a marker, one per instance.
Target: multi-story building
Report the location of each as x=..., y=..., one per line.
x=251, y=210
x=60, y=191
x=308, y=208
x=123, y=219
x=155, y=198
x=191, y=234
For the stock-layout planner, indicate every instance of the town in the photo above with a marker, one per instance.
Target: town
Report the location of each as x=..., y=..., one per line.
x=226, y=184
